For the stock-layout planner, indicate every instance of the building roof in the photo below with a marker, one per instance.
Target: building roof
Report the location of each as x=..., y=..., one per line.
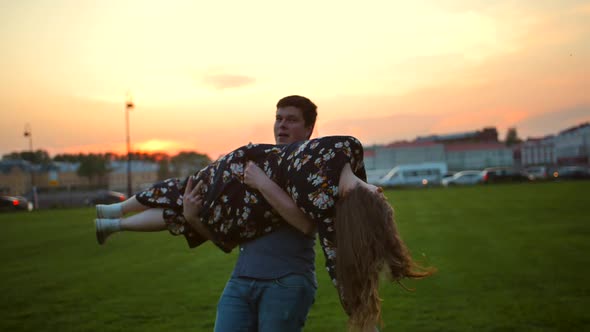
x=6, y=165
x=539, y=139
x=575, y=128
x=458, y=147
x=62, y=166
x=447, y=136
x=415, y=144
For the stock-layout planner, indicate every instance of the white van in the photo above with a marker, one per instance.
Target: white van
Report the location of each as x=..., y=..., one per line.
x=374, y=175
x=424, y=174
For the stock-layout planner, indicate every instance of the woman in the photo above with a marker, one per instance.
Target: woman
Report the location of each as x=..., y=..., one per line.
x=323, y=179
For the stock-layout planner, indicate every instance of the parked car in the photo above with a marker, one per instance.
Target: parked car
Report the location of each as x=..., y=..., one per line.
x=463, y=178
x=374, y=175
x=424, y=174
x=504, y=174
x=537, y=172
x=107, y=197
x=15, y=203
x=572, y=172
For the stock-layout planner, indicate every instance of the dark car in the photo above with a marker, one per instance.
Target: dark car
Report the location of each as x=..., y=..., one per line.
x=504, y=174
x=572, y=172
x=107, y=197
x=15, y=203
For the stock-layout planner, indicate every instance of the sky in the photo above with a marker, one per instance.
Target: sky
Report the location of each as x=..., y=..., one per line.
x=206, y=75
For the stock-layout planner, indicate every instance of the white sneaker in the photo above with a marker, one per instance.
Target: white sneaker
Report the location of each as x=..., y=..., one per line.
x=106, y=227
x=111, y=211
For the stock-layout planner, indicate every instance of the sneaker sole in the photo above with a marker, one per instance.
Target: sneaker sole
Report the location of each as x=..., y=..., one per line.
x=99, y=213
x=100, y=238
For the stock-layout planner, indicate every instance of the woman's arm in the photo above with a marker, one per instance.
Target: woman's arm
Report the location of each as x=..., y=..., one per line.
x=278, y=198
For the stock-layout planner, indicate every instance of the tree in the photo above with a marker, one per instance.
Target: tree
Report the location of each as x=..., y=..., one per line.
x=69, y=158
x=40, y=157
x=512, y=137
x=164, y=170
x=94, y=167
x=187, y=162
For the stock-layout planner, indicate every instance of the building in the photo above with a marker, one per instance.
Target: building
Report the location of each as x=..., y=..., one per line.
x=536, y=152
x=15, y=177
x=572, y=146
x=469, y=150
x=401, y=153
x=18, y=176
x=143, y=175
x=474, y=156
x=61, y=175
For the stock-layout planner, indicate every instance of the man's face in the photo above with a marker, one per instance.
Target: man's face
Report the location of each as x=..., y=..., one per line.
x=290, y=126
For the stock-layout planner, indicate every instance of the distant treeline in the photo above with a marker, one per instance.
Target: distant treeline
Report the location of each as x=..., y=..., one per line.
x=96, y=165
x=41, y=157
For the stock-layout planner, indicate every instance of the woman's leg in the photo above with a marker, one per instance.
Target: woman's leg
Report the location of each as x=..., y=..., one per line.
x=117, y=210
x=132, y=205
x=150, y=220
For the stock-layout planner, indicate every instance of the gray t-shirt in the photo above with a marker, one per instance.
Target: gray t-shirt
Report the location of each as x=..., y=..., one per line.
x=275, y=255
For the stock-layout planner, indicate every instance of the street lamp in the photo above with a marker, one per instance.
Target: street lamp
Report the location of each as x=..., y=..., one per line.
x=128, y=107
x=29, y=133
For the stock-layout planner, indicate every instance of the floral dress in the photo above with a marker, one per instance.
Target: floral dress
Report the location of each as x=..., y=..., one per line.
x=309, y=171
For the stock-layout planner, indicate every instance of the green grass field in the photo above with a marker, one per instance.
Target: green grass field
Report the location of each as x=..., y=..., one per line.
x=510, y=258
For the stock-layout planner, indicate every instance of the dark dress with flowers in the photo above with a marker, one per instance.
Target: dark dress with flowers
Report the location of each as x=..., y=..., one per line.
x=309, y=171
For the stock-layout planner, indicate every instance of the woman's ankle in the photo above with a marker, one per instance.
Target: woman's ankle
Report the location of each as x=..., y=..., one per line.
x=111, y=211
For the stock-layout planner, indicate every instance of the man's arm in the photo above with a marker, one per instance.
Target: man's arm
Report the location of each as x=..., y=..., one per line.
x=192, y=202
x=278, y=199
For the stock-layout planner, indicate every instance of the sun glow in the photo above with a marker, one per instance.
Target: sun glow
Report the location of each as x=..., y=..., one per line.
x=157, y=145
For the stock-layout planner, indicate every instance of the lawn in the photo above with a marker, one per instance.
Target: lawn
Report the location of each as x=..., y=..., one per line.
x=509, y=258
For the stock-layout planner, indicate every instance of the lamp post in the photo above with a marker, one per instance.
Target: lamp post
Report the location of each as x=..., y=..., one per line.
x=128, y=107
x=29, y=133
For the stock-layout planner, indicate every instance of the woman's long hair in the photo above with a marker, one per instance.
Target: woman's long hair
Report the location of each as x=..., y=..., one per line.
x=367, y=243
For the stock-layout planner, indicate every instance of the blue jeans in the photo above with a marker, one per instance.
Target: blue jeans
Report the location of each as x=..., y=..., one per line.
x=255, y=305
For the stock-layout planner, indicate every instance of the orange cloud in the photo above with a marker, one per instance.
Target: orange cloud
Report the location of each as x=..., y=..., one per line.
x=227, y=81
x=467, y=121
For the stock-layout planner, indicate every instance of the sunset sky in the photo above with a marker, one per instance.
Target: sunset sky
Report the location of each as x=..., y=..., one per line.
x=206, y=75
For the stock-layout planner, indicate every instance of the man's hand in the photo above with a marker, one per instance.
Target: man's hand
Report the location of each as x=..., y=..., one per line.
x=254, y=176
x=192, y=201
x=277, y=198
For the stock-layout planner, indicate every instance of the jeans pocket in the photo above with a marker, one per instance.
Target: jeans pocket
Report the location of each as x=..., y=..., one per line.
x=287, y=303
x=293, y=281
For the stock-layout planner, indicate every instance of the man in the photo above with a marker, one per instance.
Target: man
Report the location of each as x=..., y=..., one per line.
x=273, y=284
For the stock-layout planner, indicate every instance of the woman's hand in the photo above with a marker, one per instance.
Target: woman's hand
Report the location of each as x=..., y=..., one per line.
x=254, y=176
x=192, y=201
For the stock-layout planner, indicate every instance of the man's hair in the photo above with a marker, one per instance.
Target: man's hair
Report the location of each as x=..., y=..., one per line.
x=307, y=107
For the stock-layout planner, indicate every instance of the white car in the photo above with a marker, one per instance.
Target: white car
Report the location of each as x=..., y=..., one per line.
x=464, y=178
x=424, y=174
x=537, y=172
